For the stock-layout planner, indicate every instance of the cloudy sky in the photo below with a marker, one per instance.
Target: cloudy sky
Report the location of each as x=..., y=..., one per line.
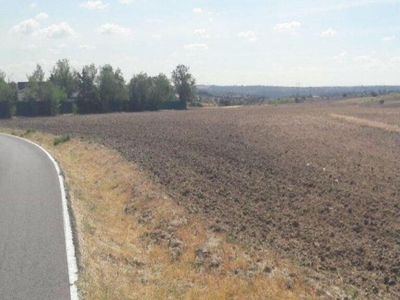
x=298, y=42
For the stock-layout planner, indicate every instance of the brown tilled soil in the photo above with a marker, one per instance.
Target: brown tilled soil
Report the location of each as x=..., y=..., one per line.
x=321, y=189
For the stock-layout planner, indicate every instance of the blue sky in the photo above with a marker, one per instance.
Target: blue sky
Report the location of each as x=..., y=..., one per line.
x=307, y=43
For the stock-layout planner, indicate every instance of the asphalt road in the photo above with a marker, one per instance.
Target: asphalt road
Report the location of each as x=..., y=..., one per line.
x=33, y=259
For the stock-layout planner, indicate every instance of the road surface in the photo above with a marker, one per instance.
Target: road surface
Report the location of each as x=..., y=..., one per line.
x=33, y=259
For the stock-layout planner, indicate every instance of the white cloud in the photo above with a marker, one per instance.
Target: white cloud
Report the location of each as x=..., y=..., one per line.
x=341, y=56
x=111, y=29
x=26, y=27
x=156, y=36
x=196, y=46
x=32, y=47
x=389, y=38
x=364, y=59
x=249, y=36
x=198, y=10
x=125, y=1
x=32, y=5
x=54, y=50
x=41, y=16
x=202, y=33
x=287, y=26
x=87, y=47
x=131, y=58
x=56, y=31
x=329, y=32
x=395, y=59
x=96, y=4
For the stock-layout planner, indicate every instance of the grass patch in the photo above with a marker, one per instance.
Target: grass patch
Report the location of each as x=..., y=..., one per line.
x=61, y=140
x=29, y=131
x=366, y=122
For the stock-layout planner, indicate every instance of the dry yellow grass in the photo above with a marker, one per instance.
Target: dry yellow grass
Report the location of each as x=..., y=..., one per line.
x=369, y=123
x=137, y=243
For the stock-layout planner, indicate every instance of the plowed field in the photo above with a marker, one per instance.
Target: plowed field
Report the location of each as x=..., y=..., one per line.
x=312, y=182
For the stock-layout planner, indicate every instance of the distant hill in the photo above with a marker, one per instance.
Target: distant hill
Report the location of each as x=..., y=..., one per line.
x=281, y=92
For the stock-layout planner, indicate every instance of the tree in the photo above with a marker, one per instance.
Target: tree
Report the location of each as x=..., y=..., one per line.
x=64, y=76
x=88, y=99
x=184, y=83
x=160, y=91
x=112, y=90
x=34, y=91
x=44, y=97
x=53, y=95
x=122, y=94
x=147, y=93
x=139, y=88
x=8, y=97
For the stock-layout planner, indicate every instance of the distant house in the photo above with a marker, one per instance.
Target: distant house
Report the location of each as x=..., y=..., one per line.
x=21, y=88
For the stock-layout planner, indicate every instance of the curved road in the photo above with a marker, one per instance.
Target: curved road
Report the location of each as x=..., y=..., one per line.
x=33, y=259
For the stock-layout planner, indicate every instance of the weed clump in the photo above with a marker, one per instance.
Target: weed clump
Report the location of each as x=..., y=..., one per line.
x=28, y=132
x=61, y=140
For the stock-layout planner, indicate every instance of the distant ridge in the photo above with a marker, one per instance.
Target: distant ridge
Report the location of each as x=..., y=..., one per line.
x=281, y=91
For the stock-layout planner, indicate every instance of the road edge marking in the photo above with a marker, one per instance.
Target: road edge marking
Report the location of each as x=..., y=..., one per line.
x=69, y=243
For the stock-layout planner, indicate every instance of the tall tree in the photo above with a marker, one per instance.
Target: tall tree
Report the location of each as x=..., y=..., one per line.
x=64, y=76
x=88, y=99
x=184, y=83
x=53, y=95
x=160, y=91
x=139, y=88
x=34, y=91
x=112, y=89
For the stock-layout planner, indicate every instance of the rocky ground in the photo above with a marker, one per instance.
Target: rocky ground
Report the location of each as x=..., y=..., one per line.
x=322, y=190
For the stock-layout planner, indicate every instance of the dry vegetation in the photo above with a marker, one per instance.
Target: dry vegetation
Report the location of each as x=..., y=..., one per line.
x=317, y=183
x=136, y=243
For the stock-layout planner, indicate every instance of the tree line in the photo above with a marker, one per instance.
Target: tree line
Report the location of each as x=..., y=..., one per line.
x=94, y=90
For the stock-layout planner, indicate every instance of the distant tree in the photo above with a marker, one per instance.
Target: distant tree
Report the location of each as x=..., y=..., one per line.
x=34, y=91
x=139, y=89
x=44, y=97
x=112, y=89
x=88, y=98
x=8, y=97
x=160, y=91
x=184, y=83
x=2, y=76
x=147, y=93
x=122, y=94
x=64, y=76
x=54, y=95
